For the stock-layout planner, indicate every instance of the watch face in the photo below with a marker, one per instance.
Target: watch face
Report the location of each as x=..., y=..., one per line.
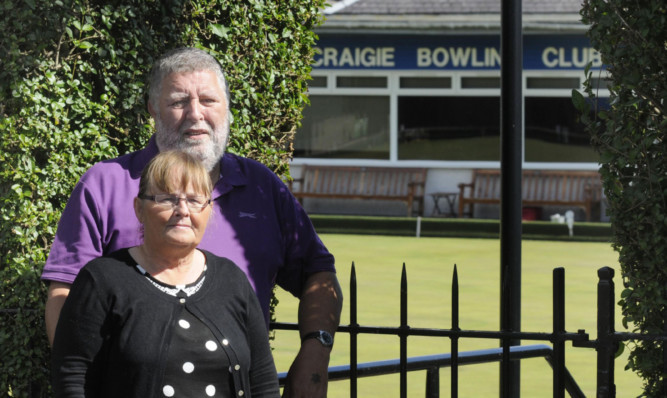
x=326, y=338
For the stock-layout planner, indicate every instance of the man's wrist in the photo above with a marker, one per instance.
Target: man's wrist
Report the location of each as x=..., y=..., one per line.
x=325, y=338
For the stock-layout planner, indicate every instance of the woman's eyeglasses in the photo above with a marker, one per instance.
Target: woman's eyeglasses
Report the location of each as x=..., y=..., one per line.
x=166, y=200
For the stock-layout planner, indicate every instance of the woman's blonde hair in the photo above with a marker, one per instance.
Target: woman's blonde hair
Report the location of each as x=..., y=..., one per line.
x=173, y=171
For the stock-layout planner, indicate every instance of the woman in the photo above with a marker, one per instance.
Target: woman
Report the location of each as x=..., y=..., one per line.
x=164, y=319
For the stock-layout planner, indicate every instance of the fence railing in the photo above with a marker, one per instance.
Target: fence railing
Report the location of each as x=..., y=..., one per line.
x=606, y=343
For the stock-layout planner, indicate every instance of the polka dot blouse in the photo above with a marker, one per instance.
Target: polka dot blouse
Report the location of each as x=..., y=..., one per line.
x=196, y=366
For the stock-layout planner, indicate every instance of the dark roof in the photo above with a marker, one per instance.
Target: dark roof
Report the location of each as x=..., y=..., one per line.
x=439, y=7
x=437, y=16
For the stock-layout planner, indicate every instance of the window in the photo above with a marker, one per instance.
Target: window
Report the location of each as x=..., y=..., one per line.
x=552, y=82
x=449, y=128
x=480, y=82
x=426, y=82
x=443, y=118
x=553, y=134
x=361, y=82
x=318, y=81
x=344, y=126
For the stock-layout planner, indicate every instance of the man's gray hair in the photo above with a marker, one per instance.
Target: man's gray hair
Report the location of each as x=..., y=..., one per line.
x=183, y=60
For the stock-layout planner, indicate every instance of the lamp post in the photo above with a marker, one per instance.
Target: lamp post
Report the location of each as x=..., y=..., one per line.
x=511, y=142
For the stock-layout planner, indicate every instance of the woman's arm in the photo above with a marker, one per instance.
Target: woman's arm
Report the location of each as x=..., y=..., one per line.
x=75, y=365
x=263, y=374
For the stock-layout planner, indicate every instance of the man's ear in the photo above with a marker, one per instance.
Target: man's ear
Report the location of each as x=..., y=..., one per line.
x=151, y=110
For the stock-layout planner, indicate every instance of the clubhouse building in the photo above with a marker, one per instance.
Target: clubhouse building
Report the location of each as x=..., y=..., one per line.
x=416, y=83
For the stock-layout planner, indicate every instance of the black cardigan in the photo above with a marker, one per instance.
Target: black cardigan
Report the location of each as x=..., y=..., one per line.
x=114, y=329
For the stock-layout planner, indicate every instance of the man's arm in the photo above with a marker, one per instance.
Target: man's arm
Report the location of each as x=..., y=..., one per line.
x=56, y=295
x=319, y=309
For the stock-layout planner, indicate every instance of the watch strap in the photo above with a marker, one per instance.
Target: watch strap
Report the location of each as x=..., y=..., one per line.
x=322, y=336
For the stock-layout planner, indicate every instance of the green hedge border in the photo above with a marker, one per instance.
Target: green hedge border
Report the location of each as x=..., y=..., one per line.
x=457, y=228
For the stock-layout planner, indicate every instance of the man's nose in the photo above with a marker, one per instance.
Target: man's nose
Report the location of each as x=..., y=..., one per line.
x=195, y=110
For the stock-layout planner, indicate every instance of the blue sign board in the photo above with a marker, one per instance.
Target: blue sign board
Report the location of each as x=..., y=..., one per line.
x=450, y=52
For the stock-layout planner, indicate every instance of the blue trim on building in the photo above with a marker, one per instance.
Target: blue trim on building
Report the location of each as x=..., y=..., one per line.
x=449, y=52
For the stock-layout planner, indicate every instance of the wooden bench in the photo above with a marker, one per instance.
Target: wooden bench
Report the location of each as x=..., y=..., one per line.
x=579, y=189
x=345, y=182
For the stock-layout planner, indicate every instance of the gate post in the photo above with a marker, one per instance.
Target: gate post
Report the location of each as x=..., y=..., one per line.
x=606, y=346
x=433, y=382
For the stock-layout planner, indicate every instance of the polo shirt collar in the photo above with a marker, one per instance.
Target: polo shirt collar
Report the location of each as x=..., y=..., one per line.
x=231, y=175
x=143, y=156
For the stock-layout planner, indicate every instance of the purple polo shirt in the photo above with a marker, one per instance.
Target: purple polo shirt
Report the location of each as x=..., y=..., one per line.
x=256, y=223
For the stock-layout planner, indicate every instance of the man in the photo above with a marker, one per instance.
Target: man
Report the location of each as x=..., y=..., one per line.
x=256, y=221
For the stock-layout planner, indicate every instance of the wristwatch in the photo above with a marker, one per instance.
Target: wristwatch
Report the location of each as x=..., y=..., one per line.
x=322, y=336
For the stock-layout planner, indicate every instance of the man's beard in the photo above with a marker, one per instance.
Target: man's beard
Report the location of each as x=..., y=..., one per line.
x=208, y=152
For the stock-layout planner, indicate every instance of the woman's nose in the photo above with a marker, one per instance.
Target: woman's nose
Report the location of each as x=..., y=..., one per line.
x=182, y=206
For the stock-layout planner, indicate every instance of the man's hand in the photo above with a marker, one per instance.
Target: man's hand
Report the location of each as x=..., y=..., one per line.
x=307, y=377
x=55, y=300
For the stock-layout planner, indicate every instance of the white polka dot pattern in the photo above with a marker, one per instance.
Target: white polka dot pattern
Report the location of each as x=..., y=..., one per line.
x=188, y=367
x=211, y=345
x=196, y=359
x=168, y=391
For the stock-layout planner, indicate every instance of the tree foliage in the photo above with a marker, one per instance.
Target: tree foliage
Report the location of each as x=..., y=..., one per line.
x=630, y=137
x=72, y=92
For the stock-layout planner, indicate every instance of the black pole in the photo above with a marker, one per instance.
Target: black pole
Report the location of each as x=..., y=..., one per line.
x=511, y=122
x=558, y=332
x=354, y=332
x=455, y=339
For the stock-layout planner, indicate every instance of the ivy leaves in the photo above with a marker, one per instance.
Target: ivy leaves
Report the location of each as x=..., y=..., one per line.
x=630, y=137
x=72, y=93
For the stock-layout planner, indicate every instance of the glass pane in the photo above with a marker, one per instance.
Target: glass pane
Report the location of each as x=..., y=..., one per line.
x=602, y=83
x=363, y=82
x=344, y=126
x=426, y=82
x=318, y=81
x=449, y=128
x=553, y=133
x=480, y=82
x=552, y=82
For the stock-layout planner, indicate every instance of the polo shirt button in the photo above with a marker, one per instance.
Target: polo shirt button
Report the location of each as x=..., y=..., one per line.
x=225, y=342
x=241, y=393
x=182, y=301
x=237, y=367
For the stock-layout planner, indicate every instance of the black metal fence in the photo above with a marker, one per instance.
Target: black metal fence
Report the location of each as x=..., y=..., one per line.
x=606, y=343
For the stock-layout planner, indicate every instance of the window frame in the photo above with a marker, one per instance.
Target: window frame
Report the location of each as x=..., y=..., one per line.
x=393, y=91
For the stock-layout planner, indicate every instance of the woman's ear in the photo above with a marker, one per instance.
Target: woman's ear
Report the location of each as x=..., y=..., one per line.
x=138, y=210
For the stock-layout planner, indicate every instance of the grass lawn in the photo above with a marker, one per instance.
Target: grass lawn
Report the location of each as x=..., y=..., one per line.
x=429, y=263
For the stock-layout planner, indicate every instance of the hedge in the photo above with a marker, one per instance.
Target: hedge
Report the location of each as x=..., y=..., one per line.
x=630, y=137
x=72, y=92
